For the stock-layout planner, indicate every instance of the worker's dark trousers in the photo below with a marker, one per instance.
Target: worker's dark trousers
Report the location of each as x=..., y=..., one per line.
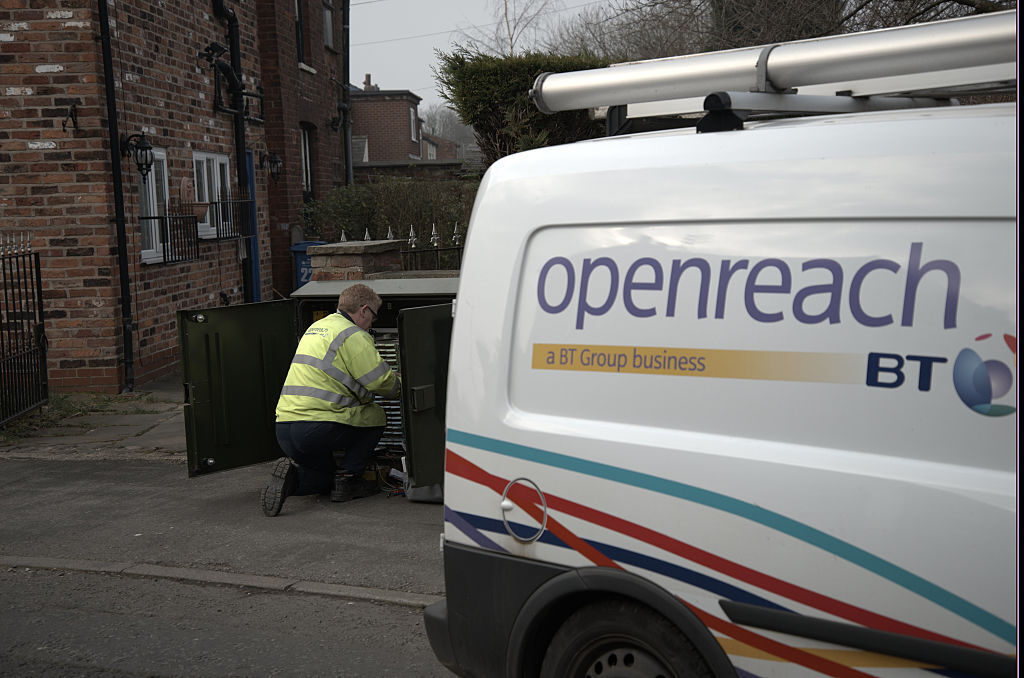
x=312, y=444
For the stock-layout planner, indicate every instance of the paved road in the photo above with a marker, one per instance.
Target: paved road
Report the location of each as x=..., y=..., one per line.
x=148, y=513
x=58, y=624
x=114, y=563
x=126, y=567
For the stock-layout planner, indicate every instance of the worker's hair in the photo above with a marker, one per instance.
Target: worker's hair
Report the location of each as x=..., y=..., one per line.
x=352, y=298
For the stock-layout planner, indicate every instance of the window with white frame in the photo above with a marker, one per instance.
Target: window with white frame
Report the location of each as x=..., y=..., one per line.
x=328, y=26
x=152, y=208
x=213, y=183
x=413, y=127
x=306, y=157
x=360, y=148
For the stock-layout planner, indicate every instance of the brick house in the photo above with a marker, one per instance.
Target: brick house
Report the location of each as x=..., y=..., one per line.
x=385, y=124
x=302, y=76
x=388, y=138
x=207, y=226
x=439, y=148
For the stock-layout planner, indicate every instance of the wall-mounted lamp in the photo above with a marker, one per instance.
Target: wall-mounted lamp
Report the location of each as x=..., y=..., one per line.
x=335, y=122
x=276, y=166
x=138, y=145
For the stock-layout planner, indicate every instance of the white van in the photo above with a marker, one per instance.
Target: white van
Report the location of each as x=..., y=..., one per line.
x=739, y=403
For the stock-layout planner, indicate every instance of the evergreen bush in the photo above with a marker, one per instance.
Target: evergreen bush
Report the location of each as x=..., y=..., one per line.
x=491, y=94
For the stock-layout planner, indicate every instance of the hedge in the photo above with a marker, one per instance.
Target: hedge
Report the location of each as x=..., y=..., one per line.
x=491, y=94
x=392, y=202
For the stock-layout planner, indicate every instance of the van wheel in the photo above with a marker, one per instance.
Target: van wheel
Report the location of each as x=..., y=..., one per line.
x=620, y=639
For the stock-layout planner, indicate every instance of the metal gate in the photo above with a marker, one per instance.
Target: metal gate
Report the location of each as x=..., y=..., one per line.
x=23, y=379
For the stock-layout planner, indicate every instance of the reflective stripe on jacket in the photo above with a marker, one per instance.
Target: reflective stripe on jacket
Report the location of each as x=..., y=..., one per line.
x=334, y=375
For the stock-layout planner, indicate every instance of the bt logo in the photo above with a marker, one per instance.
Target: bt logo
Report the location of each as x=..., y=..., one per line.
x=978, y=382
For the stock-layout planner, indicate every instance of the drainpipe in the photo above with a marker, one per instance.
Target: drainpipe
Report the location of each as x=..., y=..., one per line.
x=346, y=105
x=119, y=220
x=237, y=99
x=238, y=106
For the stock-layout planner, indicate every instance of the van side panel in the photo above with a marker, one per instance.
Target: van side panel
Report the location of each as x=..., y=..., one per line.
x=773, y=367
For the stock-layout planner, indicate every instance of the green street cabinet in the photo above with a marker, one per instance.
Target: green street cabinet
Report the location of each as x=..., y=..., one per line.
x=235, y=358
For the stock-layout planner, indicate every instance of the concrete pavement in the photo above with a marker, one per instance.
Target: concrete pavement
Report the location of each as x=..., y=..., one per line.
x=146, y=424
x=114, y=497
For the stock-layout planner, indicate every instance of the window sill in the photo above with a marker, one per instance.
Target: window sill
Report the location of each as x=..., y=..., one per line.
x=303, y=66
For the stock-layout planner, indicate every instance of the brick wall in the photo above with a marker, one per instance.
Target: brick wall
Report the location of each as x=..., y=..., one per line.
x=56, y=183
x=298, y=94
x=355, y=260
x=383, y=118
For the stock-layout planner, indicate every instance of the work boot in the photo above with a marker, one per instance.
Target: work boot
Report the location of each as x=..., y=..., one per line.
x=283, y=480
x=349, y=487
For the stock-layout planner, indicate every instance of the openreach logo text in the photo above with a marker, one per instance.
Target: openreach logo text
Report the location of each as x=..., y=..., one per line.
x=813, y=291
x=874, y=294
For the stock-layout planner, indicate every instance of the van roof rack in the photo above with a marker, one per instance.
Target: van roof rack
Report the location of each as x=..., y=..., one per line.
x=902, y=67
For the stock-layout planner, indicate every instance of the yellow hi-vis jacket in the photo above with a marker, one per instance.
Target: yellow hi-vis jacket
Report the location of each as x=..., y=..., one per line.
x=334, y=374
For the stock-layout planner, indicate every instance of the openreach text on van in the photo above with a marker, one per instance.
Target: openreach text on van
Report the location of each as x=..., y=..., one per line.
x=557, y=288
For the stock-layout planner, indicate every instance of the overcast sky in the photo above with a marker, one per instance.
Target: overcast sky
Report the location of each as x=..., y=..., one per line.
x=394, y=40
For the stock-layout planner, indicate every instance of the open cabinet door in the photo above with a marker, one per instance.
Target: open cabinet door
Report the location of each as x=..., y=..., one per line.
x=234, y=361
x=424, y=338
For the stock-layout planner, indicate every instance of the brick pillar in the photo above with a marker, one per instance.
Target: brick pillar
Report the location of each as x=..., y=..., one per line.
x=355, y=260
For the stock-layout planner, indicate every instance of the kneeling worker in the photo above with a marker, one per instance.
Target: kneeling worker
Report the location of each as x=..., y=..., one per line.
x=326, y=404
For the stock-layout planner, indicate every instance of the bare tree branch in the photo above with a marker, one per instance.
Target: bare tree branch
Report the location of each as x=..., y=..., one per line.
x=442, y=121
x=644, y=29
x=517, y=23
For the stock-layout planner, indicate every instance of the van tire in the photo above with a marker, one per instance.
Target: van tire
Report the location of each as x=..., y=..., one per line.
x=621, y=639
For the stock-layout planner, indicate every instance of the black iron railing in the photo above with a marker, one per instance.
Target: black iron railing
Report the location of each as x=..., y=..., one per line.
x=23, y=376
x=432, y=256
x=222, y=219
x=232, y=218
x=178, y=236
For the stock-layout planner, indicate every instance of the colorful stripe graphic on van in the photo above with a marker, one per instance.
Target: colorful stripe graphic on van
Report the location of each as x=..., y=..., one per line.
x=775, y=521
x=477, y=527
x=738, y=640
x=745, y=642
